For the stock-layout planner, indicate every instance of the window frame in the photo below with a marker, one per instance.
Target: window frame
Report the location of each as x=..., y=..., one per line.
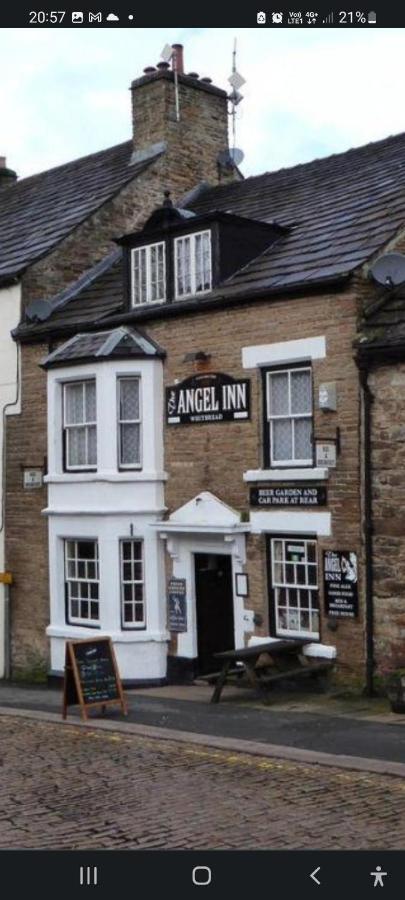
x=192, y=235
x=268, y=461
x=91, y=467
x=132, y=626
x=148, y=248
x=275, y=630
x=124, y=467
x=79, y=621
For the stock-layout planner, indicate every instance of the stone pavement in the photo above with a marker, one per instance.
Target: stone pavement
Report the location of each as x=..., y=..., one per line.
x=73, y=787
x=317, y=723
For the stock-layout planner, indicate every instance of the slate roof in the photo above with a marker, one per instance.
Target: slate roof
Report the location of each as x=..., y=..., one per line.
x=339, y=210
x=38, y=212
x=117, y=343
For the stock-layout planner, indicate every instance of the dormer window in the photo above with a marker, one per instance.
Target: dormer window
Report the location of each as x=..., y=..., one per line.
x=193, y=266
x=181, y=255
x=148, y=274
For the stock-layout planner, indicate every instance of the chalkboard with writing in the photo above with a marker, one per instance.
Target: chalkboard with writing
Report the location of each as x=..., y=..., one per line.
x=91, y=675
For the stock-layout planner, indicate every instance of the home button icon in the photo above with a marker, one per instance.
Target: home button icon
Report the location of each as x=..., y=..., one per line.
x=201, y=876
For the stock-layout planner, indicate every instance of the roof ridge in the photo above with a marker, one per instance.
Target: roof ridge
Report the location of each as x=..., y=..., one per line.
x=72, y=162
x=312, y=162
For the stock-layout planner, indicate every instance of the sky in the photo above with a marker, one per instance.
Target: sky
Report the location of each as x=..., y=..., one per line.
x=64, y=93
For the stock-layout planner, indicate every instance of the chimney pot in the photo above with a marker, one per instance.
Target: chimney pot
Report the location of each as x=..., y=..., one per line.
x=207, y=80
x=149, y=69
x=178, y=58
x=193, y=75
x=163, y=66
x=7, y=176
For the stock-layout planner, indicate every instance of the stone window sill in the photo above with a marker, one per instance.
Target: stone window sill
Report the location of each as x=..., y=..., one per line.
x=304, y=474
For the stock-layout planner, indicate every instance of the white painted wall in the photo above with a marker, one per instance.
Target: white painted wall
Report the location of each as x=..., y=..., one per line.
x=10, y=309
x=107, y=506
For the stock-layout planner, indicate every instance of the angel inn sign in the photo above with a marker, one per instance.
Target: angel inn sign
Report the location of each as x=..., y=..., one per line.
x=212, y=397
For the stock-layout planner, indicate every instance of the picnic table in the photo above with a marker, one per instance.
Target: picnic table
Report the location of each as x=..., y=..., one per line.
x=281, y=659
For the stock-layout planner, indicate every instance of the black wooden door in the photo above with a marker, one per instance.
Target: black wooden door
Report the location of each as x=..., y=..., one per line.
x=214, y=596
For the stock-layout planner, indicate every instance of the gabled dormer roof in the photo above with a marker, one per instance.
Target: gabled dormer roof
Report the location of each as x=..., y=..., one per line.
x=118, y=343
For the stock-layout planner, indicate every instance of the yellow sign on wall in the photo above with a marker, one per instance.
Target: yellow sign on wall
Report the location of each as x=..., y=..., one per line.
x=6, y=578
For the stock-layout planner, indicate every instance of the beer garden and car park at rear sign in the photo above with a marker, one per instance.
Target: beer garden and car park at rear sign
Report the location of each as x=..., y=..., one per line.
x=209, y=397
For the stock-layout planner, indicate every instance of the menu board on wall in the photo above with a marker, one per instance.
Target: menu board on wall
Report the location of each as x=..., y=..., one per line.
x=340, y=584
x=177, y=605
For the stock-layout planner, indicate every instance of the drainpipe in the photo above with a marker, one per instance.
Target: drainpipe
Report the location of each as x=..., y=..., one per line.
x=7, y=632
x=368, y=531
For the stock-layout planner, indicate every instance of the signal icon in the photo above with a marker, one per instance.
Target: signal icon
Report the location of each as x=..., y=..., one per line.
x=328, y=20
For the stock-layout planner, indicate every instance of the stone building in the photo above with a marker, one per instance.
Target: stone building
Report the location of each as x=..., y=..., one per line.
x=206, y=421
x=381, y=357
x=54, y=227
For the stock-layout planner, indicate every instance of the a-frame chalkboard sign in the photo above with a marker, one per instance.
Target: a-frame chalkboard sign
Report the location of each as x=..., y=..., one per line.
x=91, y=676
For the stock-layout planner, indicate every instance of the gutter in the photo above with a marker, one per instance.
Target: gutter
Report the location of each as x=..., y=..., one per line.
x=368, y=529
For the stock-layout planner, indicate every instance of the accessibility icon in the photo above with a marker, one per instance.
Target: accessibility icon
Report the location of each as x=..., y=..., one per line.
x=378, y=876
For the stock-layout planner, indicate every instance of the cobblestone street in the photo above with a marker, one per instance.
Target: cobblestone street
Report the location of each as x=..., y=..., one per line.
x=72, y=788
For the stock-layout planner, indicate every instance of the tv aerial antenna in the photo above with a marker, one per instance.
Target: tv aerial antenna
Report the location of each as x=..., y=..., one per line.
x=236, y=80
x=169, y=55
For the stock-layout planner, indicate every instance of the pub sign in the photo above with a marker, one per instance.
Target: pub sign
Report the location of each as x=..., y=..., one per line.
x=340, y=584
x=284, y=495
x=208, y=397
x=177, y=605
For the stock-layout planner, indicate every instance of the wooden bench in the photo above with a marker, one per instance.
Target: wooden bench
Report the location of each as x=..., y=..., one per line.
x=281, y=659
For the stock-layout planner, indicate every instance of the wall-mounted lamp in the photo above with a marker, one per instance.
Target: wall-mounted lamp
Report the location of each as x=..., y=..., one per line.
x=197, y=356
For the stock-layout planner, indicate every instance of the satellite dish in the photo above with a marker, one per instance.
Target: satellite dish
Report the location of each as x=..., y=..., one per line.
x=389, y=269
x=237, y=156
x=230, y=158
x=166, y=53
x=38, y=311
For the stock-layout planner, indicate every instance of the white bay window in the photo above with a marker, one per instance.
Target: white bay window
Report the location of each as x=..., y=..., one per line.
x=129, y=422
x=82, y=582
x=148, y=274
x=79, y=425
x=132, y=584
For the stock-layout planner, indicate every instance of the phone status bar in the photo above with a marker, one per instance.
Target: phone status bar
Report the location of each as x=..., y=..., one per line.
x=311, y=18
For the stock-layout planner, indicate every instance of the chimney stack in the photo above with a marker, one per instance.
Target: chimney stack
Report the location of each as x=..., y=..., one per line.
x=185, y=116
x=7, y=176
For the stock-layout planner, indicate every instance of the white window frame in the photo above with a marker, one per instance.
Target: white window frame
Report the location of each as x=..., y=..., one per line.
x=278, y=584
x=69, y=580
x=148, y=252
x=121, y=465
x=192, y=238
x=134, y=625
x=291, y=417
x=92, y=467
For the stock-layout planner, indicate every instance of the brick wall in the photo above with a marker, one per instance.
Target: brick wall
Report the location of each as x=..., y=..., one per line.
x=203, y=125
x=214, y=457
x=201, y=457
